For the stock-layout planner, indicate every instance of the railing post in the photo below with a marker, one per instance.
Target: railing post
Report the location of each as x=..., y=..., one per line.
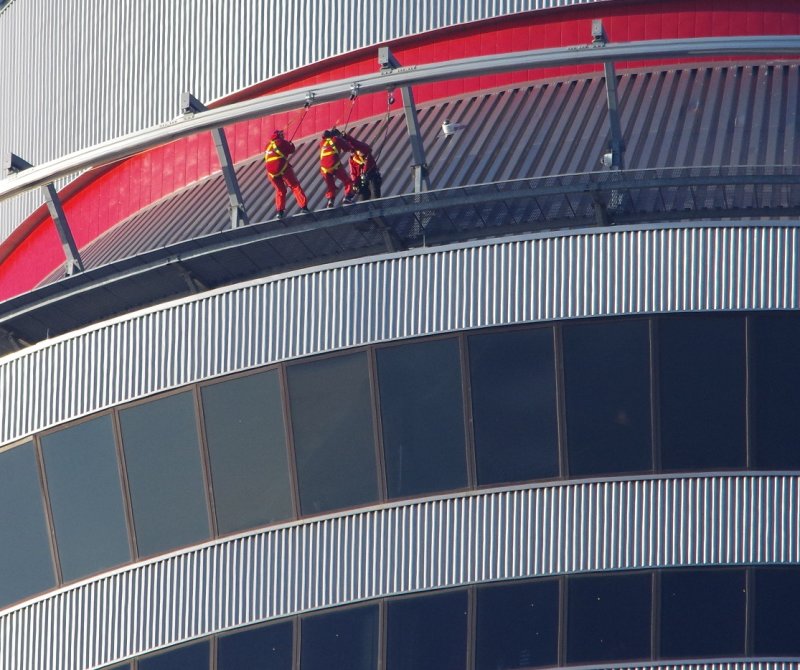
x=238, y=213
x=388, y=62
x=73, y=262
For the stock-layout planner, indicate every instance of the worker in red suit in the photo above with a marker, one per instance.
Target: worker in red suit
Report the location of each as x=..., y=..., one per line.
x=363, y=169
x=331, y=147
x=280, y=172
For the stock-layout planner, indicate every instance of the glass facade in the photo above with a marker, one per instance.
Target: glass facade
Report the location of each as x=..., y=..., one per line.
x=607, y=386
x=86, y=497
x=413, y=643
x=333, y=433
x=247, y=451
x=703, y=613
x=423, y=417
x=25, y=560
x=514, y=405
x=495, y=407
x=610, y=619
x=165, y=473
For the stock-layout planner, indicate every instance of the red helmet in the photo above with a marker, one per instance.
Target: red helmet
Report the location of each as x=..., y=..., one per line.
x=276, y=134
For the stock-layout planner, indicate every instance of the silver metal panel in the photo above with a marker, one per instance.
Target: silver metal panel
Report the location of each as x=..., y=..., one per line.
x=126, y=71
x=526, y=279
x=403, y=548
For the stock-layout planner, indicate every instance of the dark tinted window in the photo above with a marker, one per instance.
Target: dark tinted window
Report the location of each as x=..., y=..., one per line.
x=428, y=632
x=777, y=611
x=269, y=647
x=775, y=351
x=514, y=405
x=607, y=366
x=346, y=639
x=517, y=626
x=86, y=497
x=247, y=450
x=333, y=439
x=423, y=419
x=26, y=565
x=165, y=474
x=702, y=613
x=608, y=618
x=702, y=378
x=193, y=657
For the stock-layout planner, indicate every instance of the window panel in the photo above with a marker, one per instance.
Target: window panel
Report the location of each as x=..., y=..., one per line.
x=247, y=451
x=608, y=618
x=702, y=613
x=422, y=416
x=333, y=437
x=775, y=357
x=517, y=625
x=25, y=560
x=414, y=644
x=193, y=657
x=777, y=611
x=165, y=473
x=607, y=373
x=345, y=639
x=268, y=647
x=702, y=379
x=83, y=481
x=514, y=405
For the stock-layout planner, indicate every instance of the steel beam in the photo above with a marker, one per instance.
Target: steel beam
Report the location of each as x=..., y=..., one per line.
x=128, y=145
x=419, y=166
x=238, y=213
x=616, y=144
x=73, y=262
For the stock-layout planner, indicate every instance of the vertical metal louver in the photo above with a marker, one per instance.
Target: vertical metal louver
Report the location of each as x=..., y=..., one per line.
x=422, y=293
x=404, y=548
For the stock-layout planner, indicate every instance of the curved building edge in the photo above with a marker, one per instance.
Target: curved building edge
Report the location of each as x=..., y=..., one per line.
x=542, y=277
x=393, y=549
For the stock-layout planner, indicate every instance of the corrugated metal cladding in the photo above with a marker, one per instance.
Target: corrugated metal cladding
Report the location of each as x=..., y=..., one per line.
x=392, y=550
x=695, y=116
x=120, y=66
x=386, y=298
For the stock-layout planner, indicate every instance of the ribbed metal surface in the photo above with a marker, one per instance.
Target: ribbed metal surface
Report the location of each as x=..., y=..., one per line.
x=412, y=294
x=127, y=72
x=517, y=134
x=528, y=532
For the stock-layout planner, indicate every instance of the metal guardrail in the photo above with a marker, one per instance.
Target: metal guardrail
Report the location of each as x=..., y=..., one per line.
x=190, y=124
x=421, y=219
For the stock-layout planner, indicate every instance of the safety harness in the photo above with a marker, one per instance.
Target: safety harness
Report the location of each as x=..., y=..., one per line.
x=275, y=154
x=329, y=149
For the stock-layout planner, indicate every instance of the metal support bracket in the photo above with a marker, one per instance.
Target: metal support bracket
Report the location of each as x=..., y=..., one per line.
x=194, y=284
x=73, y=262
x=238, y=213
x=616, y=145
x=419, y=166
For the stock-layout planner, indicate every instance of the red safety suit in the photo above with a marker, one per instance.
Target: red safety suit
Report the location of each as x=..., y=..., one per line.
x=280, y=173
x=364, y=170
x=330, y=166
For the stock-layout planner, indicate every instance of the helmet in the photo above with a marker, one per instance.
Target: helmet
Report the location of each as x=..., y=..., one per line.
x=327, y=133
x=277, y=133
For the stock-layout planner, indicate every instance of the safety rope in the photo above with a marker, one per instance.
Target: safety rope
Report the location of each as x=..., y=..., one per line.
x=353, y=97
x=389, y=102
x=300, y=122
